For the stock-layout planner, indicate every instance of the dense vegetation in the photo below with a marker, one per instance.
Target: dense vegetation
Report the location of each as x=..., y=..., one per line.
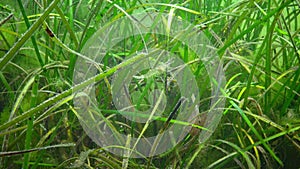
x=257, y=41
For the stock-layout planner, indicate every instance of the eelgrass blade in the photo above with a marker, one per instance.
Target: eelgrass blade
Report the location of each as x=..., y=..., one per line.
x=11, y=153
x=12, y=51
x=28, y=138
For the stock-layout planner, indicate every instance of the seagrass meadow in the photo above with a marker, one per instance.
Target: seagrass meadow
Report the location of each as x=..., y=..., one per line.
x=63, y=65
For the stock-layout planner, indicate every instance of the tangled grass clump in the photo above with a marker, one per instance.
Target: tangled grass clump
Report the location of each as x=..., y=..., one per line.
x=257, y=42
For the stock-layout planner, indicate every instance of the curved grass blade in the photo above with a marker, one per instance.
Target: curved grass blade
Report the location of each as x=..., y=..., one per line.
x=21, y=97
x=241, y=151
x=228, y=156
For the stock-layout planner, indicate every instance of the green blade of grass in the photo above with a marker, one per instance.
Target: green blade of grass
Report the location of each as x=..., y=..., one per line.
x=11, y=153
x=241, y=151
x=12, y=51
x=20, y=98
x=68, y=26
x=7, y=86
x=94, y=11
x=28, y=138
x=36, y=49
x=268, y=64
